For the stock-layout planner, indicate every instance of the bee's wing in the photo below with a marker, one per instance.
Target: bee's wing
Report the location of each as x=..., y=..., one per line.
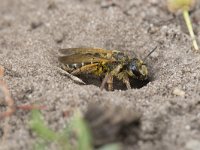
x=83, y=58
x=71, y=51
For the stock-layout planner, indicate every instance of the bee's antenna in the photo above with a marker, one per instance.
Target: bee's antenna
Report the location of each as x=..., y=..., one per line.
x=150, y=53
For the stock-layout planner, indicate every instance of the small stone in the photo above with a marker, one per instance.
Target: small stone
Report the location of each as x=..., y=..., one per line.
x=192, y=145
x=152, y=29
x=178, y=92
x=187, y=127
x=1, y=71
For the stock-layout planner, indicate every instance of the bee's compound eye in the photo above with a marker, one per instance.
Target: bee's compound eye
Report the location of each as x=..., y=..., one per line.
x=132, y=67
x=135, y=69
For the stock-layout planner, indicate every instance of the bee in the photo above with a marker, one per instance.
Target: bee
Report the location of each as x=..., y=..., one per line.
x=104, y=63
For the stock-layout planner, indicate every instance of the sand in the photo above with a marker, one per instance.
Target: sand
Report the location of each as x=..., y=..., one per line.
x=32, y=31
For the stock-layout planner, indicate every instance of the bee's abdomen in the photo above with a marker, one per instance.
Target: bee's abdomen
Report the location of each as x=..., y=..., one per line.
x=72, y=67
x=75, y=65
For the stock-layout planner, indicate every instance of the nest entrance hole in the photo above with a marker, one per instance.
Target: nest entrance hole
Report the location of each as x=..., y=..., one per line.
x=117, y=84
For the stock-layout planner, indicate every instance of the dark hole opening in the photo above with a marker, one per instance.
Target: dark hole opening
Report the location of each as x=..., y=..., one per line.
x=117, y=84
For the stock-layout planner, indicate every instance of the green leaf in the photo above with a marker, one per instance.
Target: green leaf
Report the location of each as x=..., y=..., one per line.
x=38, y=125
x=82, y=132
x=40, y=146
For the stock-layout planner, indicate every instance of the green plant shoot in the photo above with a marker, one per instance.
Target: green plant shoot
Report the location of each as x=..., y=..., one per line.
x=184, y=6
x=78, y=128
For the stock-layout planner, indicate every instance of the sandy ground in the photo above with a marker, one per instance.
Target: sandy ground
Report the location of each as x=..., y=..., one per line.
x=32, y=31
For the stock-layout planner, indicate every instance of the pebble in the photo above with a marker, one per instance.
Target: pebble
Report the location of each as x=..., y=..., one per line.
x=193, y=145
x=1, y=71
x=178, y=92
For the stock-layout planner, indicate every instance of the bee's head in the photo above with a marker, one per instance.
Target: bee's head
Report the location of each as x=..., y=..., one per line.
x=138, y=69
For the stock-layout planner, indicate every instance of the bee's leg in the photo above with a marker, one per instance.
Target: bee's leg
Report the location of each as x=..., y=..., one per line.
x=116, y=71
x=74, y=78
x=109, y=78
x=110, y=83
x=66, y=68
x=126, y=81
x=105, y=80
x=85, y=69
